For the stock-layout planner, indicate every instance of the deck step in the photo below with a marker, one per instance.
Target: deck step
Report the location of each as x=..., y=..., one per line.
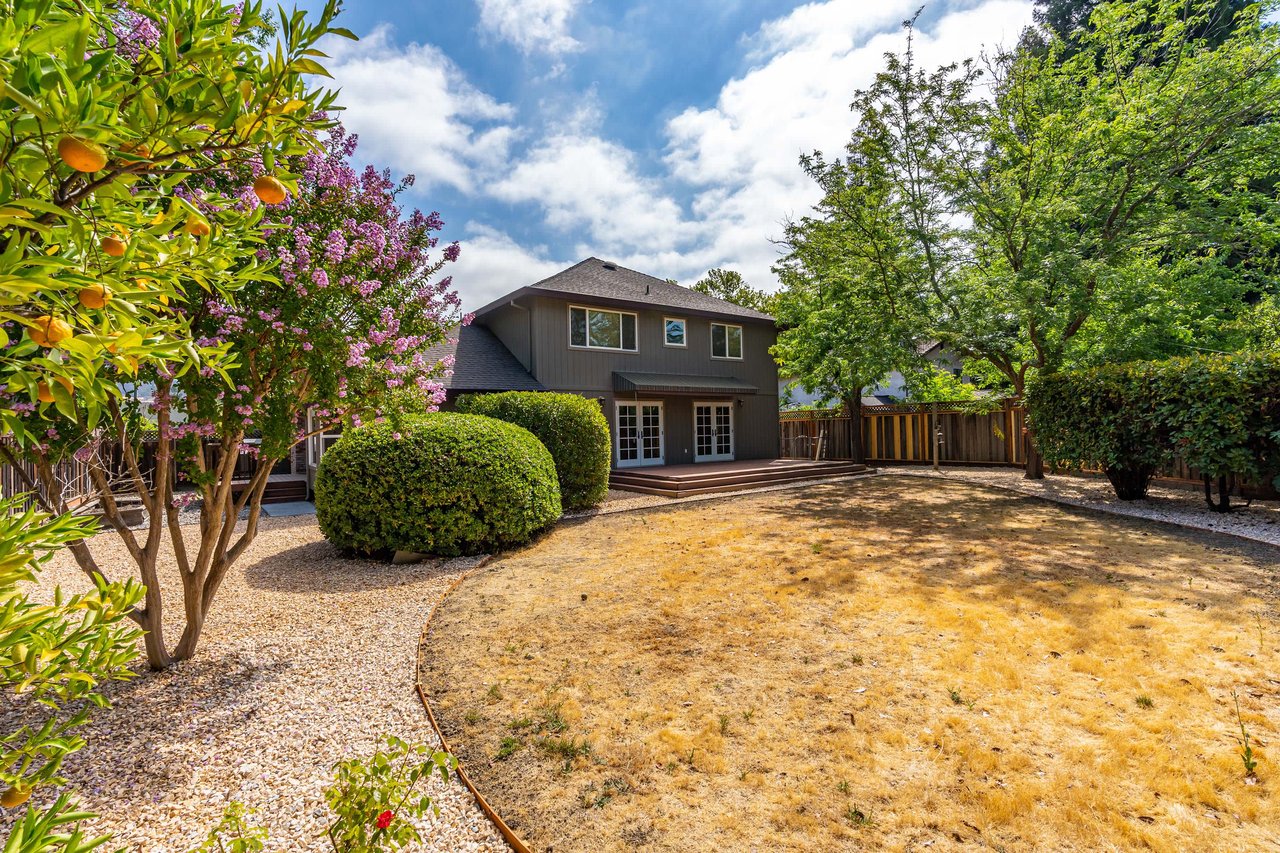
x=712, y=481
x=721, y=476
x=278, y=492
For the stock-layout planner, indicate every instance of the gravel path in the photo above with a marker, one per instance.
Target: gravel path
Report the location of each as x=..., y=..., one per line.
x=1259, y=522
x=306, y=659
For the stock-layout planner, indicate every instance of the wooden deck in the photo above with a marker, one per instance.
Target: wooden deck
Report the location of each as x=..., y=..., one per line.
x=677, y=481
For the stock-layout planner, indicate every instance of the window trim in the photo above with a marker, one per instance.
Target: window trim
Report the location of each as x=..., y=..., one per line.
x=588, y=346
x=742, y=342
x=684, y=326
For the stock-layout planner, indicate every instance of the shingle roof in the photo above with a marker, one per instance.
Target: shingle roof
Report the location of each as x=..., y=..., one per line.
x=606, y=281
x=679, y=383
x=482, y=363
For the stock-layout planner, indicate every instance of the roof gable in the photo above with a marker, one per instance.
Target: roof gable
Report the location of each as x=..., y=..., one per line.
x=596, y=279
x=481, y=362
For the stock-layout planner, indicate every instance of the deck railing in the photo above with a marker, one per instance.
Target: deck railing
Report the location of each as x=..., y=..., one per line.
x=76, y=486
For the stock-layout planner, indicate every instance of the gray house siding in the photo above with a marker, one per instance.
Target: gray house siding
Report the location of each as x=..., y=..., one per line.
x=572, y=369
x=540, y=339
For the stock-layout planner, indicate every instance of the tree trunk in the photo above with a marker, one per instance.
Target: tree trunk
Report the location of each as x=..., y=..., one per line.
x=1035, y=462
x=186, y=647
x=152, y=624
x=1034, y=469
x=1130, y=483
x=1224, y=494
x=857, y=445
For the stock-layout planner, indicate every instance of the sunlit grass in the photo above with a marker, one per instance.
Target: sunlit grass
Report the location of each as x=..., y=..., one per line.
x=948, y=663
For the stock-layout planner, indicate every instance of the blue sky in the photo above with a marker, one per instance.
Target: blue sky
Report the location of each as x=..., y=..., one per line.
x=662, y=135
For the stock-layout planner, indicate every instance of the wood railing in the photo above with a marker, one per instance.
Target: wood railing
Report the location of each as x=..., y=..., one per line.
x=76, y=486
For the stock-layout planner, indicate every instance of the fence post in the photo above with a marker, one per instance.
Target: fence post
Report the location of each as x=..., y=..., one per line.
x=936, y=433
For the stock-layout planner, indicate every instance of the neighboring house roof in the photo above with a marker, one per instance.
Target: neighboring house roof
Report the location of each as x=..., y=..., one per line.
x=605, y=282
x=678, y=383
x=482, y=363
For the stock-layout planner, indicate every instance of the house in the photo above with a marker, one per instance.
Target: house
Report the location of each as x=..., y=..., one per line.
x=893, y=389
x=682, y=377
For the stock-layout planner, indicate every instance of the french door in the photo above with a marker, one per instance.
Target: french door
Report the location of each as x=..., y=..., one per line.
x=712, y=432
x=639, y=431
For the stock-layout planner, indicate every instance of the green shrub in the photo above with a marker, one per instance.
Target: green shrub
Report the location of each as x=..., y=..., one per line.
x=1223, y=413
x=1103, y=418
x=573, y=428
x=445, y=484
x=1218, y=414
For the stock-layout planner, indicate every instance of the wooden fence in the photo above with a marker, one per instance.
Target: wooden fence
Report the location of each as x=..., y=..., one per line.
x=901, y=434
x=904, y=433
x=72, y=475
x=77, y=487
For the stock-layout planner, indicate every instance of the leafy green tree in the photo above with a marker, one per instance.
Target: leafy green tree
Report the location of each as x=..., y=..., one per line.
x=932, y=384
x=1087, y=202
x=731, y=287
x=105, y=109
x=334, y=332
x=1068, y=20
x=835, y=335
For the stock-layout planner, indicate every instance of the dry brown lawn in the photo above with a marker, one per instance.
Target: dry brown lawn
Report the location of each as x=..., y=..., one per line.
x=890, y=663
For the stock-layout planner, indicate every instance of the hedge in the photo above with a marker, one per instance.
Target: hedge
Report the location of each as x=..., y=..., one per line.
x=1218, y=414
x=572, y=427
x=444, y=483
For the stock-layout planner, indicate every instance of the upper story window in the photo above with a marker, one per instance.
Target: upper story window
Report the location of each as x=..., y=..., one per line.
x=596, y=328
x=673, y=334
x=726, y=341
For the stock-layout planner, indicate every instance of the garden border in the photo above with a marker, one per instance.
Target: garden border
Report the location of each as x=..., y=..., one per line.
x=507, y=833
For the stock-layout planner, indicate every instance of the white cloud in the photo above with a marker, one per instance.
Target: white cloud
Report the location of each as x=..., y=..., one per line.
x=742, y=153
x=590, y=188
x=534, y=26
x=415, y=109
x=492, y=264
x=729, y=175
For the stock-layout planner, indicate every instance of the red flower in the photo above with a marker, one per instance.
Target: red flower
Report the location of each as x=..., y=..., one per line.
x=384, y=820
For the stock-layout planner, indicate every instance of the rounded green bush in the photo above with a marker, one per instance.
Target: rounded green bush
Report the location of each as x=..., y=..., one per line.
x=1218, y=414
x=444, y=483
x=572, y=427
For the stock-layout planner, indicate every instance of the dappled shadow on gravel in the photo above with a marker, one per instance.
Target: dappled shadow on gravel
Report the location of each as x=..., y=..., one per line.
x=318, y=566
x=163, y=728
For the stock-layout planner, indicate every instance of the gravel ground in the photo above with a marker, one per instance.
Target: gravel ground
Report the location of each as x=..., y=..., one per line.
x=1259, y=522
x=306, y=658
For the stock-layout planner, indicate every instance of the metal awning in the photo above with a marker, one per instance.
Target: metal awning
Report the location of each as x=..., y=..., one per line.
x=679, y=383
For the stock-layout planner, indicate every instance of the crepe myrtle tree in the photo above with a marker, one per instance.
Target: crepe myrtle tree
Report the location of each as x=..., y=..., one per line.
x=109, y=110
x=340, y=330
